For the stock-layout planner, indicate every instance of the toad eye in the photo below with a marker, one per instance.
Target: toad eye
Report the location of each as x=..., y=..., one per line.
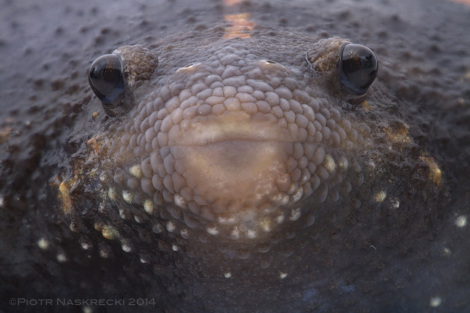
x=357, y=68
x=106, y=79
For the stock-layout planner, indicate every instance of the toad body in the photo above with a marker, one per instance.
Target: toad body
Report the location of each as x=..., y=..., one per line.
x=238, y=168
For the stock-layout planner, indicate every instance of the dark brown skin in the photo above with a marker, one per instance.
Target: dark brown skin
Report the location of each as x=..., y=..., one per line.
x=389, y=234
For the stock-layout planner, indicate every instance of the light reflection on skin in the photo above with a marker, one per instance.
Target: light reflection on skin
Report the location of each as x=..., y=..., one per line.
x=232, y=2
x=467, y=2
x=240, y=25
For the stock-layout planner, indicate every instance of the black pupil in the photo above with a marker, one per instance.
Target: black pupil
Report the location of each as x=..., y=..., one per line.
x=106, y=79
x=358, y=68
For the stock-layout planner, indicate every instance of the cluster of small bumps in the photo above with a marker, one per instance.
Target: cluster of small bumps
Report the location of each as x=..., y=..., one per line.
x=233, y=80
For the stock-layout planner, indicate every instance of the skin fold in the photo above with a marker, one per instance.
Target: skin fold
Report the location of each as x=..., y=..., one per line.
x=236, y=173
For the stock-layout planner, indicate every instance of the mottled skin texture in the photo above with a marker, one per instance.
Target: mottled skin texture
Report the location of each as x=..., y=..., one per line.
x=388, y=234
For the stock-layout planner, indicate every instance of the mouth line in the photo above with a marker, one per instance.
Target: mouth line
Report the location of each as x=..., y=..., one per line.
x=206, y=142
x=230, y=128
